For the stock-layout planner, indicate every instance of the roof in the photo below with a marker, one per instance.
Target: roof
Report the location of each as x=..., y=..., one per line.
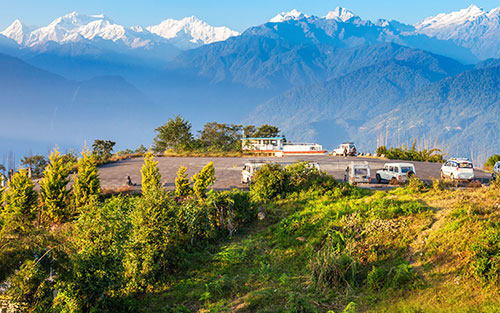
x=263, y=138
x=400, y=164
x=460, y=159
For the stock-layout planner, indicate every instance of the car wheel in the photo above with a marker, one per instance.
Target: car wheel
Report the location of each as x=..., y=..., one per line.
x=379, y=179
x=393, y=181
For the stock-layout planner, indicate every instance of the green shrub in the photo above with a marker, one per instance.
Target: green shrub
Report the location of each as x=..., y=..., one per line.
x=151, y=177
x=486, y=255
x=268, y=183
x=416, y=185
x=53, y=192
x=204, y=179
x=332, y=267
x=376, y=278
x=400, y=276
x=182, y=185
x=492, y=160
x=86, y=183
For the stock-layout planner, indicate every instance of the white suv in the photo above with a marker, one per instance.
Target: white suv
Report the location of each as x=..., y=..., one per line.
x=395, y=172
x=496, y=170
x=458, y=169
x=346, y=148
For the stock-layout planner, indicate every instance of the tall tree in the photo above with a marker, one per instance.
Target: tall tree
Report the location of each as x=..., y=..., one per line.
x=102, y=149
x=175, y=134
x=204, y=179
x=249, y=131
x=151, y=177
x=21, y=199
x=267, y=131
x=182, y=185
x=36, y=163
x=221, y=137
x=86, y=183
x=53, y=189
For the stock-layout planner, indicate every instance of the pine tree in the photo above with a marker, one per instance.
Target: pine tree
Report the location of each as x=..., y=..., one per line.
x=53, y=190
x=86, y=184
x=203, y=180
x=21, y=199
x=151, y=177
x=182, y=185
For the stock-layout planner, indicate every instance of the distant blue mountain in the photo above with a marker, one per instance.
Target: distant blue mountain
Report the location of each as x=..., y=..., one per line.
x=38, y=106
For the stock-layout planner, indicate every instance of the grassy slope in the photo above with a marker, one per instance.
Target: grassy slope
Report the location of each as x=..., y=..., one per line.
x=269, y=267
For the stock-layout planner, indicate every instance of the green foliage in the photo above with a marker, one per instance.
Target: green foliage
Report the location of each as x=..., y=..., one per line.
x=273, y=181
x=333, y=267
x=151, y=177
x=269, y=182
x=221, y=137
x=31, y=288
x=403, y=153
x=175, y=135
x=264, y=130
x=99, y=239
x=204, y=179
x=21, y=198
x=230, y=210
x=486, y=254
x=416, y=185
x=102, y=149
x=182, y=184
x=53, y=191
x=154, y=237
x=86, y=183
x=492, y=160
x=36, y=163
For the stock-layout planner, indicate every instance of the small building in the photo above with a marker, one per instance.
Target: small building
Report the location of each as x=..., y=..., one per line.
x=263, y=145
x=278, y=146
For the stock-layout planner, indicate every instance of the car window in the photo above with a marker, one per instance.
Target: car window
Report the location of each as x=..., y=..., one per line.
x=406, y=169
x=391, y=169
x=360, y=171
x=465, y=165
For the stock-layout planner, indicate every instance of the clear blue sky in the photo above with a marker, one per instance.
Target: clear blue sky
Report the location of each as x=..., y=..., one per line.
x=237, y=14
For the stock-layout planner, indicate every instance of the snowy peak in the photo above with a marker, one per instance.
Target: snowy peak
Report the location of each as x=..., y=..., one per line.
x=340, y=14
x=193, y=31
x=74, y=27
x=468, y=15
x=286, y=16
x=472, y=28
x=17, y=31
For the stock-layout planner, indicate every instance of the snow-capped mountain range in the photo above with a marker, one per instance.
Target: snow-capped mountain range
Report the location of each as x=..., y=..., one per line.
x=472, y=29
x=75, y=27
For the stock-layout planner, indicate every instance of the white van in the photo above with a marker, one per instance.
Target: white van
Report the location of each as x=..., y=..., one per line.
x=357, y=173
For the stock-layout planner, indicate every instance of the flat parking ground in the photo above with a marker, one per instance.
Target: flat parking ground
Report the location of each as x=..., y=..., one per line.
x=228, y=170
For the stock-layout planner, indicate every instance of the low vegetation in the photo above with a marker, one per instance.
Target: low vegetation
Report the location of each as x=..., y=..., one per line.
x=411, y=154
x=492, y=160
x=297, y=241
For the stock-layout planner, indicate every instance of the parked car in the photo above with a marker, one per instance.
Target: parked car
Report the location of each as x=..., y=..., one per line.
x=357, y=173
x=396, y=172
x=249, y=170
x=458, y=169
x=496, y=170
x=347, y=148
